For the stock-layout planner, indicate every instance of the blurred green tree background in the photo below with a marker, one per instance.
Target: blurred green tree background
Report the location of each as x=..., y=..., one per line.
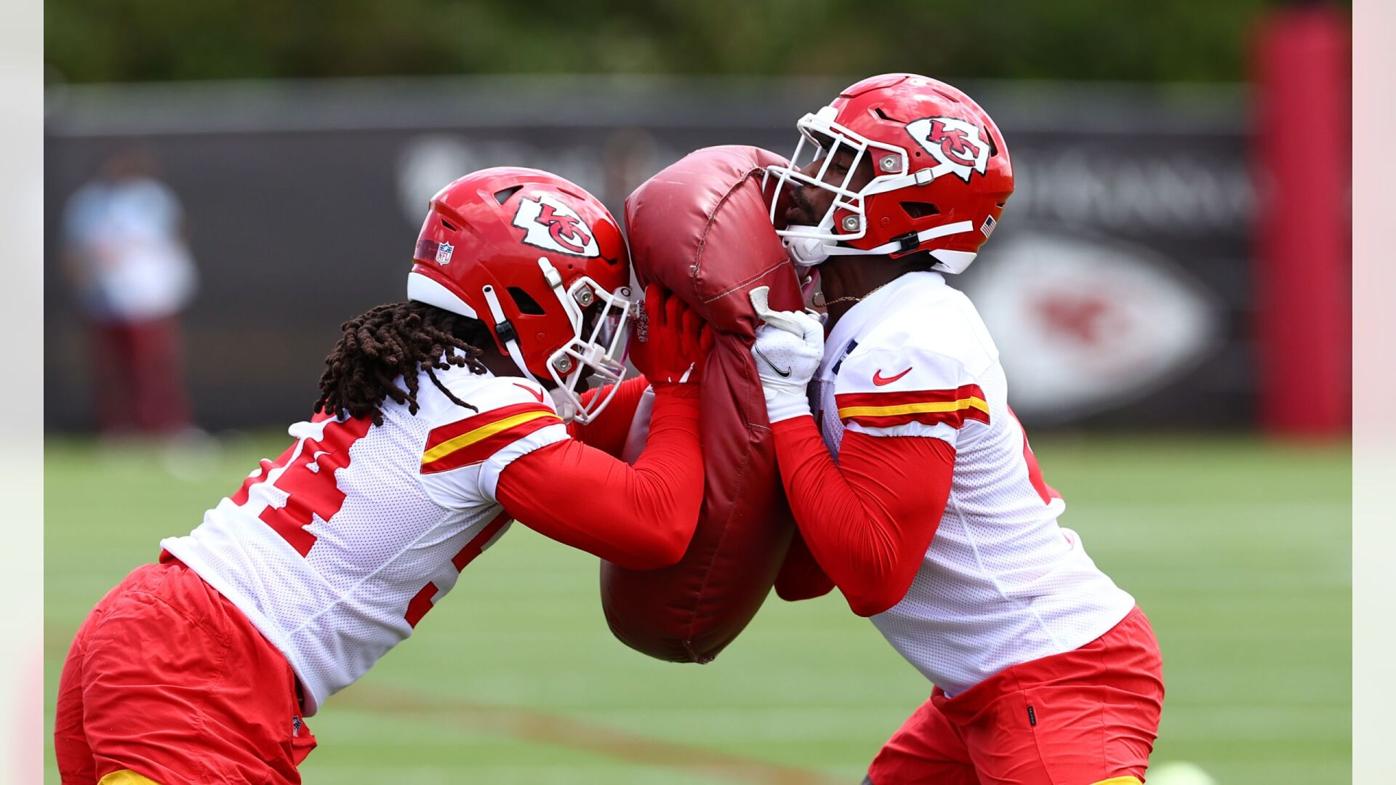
x=157, y=40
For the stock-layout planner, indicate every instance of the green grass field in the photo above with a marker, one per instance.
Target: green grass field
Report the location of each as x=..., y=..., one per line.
x=1239, y=551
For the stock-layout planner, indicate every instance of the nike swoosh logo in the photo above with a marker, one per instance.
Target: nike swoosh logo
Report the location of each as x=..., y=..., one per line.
x=783, y=373
x=535, y=393
x=879, y=379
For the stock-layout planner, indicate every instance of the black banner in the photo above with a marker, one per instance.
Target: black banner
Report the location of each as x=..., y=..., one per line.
x=1117, y=283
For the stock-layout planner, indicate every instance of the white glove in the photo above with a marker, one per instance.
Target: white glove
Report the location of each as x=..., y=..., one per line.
x=788, y=350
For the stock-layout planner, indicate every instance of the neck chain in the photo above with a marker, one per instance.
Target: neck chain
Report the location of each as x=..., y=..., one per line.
x=850, y=299
x=838, y=300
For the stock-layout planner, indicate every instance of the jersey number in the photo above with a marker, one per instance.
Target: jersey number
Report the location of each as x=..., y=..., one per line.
x=304, y=475
x=426, y=598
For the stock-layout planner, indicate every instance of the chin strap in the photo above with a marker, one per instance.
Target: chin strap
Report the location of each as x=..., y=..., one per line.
x=505, y=332
x=809, y=251
x=806, y=251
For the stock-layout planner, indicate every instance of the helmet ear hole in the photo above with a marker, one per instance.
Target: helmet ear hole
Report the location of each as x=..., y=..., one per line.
x=919, y=209
x=525, y=303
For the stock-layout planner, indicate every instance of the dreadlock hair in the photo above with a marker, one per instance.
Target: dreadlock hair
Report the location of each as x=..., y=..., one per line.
x=397, y=340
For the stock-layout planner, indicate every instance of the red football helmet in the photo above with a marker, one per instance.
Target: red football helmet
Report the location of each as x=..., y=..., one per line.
x=941, y=173
x=542, y=263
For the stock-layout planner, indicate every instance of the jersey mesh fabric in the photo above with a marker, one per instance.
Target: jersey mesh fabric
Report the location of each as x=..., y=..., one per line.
x=1001, y=583
x=374, y=562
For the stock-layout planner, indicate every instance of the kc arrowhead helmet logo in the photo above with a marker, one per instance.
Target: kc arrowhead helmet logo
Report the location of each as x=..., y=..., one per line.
x=550, y=224
x=957, y=145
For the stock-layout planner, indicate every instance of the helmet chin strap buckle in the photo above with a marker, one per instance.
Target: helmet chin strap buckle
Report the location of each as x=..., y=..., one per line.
x=507, y=336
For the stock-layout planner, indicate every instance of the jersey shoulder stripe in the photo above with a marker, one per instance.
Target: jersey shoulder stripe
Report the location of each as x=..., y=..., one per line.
x=476, y=438
x=952, y=407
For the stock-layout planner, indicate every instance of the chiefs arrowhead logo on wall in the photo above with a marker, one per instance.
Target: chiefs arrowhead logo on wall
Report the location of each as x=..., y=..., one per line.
x=1086, y=325
x=550, y=224
x=955, y=144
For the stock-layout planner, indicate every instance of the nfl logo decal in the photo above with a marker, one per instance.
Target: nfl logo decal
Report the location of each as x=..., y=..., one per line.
x=443, y=253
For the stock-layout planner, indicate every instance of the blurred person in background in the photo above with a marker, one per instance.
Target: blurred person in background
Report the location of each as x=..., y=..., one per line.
x=912, y=481
x=124, y=253
x=434, y=430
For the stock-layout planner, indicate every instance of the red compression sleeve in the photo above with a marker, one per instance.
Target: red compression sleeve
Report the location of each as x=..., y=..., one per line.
x=610, y=428
x=640, y=516
x=868, y=519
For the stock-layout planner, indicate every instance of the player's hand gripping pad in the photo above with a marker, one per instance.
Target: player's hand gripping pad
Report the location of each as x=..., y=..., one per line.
x=700, y=228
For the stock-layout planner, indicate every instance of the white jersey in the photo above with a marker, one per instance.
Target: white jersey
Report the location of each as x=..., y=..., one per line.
x=336, y=549
x=1001, y=582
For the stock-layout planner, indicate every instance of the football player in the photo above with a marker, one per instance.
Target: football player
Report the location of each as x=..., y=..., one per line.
x=911, y=480
x=434, y=429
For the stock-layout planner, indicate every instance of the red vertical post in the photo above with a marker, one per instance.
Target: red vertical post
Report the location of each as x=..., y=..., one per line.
x=1303, y=246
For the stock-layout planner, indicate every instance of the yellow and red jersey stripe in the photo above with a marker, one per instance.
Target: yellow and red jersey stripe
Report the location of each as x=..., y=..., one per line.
x=472, y=440
x=126, y=777
x=930, y=407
